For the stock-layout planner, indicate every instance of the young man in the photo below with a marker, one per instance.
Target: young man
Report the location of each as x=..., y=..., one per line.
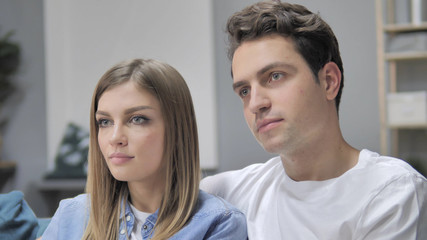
x=287, y=70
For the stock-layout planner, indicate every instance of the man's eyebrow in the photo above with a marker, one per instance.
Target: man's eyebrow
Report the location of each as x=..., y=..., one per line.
x=238, y=84
x=273, y=65
x=262, y=71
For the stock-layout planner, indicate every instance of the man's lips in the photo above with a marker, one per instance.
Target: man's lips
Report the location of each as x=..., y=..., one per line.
x=267, y=124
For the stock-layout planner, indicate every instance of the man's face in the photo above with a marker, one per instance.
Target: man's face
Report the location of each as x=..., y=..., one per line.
x=284, y=106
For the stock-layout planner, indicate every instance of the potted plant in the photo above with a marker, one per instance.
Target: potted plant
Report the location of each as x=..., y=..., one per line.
x=9, y=62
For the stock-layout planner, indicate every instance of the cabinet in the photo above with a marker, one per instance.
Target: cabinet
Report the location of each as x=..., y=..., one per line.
x=7, y=169
x=402, y=75
x=54, y=190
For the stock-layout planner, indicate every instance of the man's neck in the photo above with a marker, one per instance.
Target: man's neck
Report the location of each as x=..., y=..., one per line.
x=319, y=162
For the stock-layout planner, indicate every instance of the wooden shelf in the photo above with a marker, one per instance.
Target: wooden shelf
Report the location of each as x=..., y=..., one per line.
x=408, y=126
x=62, y=185
x=396, y=28
x=405, y=56
x=390, y=75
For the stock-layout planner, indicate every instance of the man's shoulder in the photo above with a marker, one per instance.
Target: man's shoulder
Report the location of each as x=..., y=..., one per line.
x=251, y=171
x=232, y=184
x=387, y=166
x=380, y=173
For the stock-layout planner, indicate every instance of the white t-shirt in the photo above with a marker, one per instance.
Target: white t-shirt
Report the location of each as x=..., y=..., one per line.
x=379, y=198
x=140, y=218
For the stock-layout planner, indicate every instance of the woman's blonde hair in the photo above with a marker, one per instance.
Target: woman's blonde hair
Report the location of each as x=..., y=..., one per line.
x=181, y=153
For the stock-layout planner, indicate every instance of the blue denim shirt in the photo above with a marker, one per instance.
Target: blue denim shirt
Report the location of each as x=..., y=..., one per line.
x=213, y=219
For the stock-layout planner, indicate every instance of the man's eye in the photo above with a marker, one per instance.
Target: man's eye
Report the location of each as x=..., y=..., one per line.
x=244, y=92
x=276, y=76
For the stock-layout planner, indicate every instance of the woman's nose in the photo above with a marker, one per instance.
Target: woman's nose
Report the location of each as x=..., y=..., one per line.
x=118, y=136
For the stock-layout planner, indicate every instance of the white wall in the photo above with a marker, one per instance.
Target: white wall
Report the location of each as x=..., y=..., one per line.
x=85, y=38
x=25, y=139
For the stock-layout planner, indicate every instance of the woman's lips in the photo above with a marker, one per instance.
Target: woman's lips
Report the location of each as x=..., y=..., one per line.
x=119, y=158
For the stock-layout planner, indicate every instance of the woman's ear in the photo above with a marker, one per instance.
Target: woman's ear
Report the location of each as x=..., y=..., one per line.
x=332, y=79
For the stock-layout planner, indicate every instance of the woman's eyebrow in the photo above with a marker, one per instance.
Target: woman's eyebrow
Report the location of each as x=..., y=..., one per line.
x=127, y=111
x=102, y=113
x=138, y=108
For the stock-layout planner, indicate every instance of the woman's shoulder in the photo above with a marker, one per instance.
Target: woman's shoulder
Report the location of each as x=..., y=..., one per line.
x=70, y=219
x=79, y=201
x=214, y=218
x=77, y=207
x=209, y=204
x=73, y=209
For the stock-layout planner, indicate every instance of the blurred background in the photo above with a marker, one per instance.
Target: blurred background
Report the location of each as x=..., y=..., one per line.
x=65, y=46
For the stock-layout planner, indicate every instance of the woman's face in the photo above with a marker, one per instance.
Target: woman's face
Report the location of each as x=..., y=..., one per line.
x=131, y=134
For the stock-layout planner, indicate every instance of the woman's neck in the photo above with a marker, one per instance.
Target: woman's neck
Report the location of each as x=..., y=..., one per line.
x=146, y=197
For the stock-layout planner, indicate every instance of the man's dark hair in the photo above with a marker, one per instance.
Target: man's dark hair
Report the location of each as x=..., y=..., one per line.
x=313, y=38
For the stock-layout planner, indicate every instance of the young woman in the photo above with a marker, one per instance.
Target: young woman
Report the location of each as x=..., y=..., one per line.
x=143, y=178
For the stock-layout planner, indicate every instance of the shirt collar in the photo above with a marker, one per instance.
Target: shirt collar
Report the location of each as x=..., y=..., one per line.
x=127, y=217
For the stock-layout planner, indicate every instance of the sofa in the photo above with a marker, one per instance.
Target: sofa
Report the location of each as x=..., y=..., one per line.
x=17, y=219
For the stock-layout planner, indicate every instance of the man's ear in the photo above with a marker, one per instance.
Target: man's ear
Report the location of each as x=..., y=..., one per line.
x=332, y=79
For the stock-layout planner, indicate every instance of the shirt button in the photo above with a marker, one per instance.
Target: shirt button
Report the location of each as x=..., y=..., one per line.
x=122, y=231
x=145, y=227
x=128, y=218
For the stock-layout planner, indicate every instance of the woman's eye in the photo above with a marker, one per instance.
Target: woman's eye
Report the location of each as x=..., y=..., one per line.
x=138, y=120
x=244, y=92
x=276, y=76
x=104, y=123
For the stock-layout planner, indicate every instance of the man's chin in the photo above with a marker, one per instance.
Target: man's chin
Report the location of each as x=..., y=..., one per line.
x=271, y=147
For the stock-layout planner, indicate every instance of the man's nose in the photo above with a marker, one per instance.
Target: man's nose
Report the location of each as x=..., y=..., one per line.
x=259, y=100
